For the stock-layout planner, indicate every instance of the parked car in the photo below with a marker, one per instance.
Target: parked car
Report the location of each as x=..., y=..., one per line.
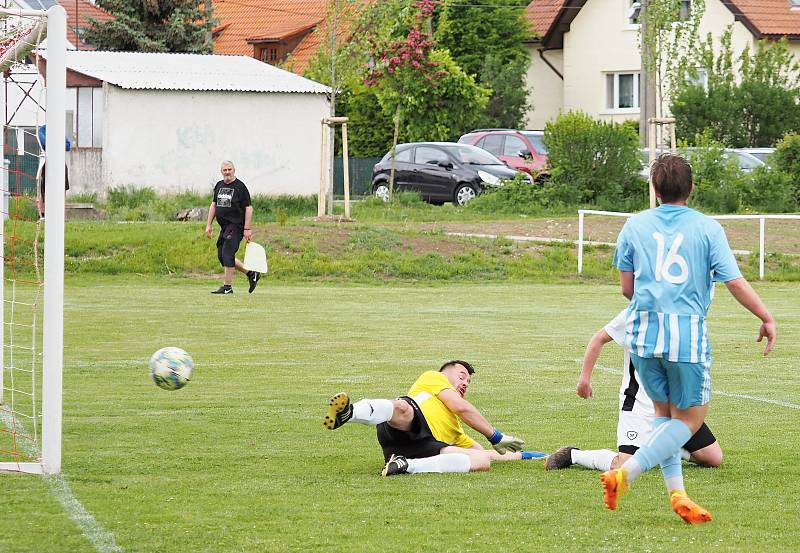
x=747, y=162
x=760, y=153
x=522, y=150
x=440, y=172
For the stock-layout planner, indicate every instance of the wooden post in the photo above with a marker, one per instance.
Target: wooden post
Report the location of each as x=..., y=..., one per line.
x=322, y=191
x=346, y=170
x=651, y=144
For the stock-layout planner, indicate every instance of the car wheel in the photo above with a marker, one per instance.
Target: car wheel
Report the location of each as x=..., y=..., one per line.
x=381, y=191
x=465, y=193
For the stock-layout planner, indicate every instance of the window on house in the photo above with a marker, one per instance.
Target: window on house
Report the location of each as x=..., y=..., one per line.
x=701, y=79
x=263, y=55
x=622, y=90
x=273, y=54
x=685, y=10
x=795, y=3
x=89, y=120
x=634, y=11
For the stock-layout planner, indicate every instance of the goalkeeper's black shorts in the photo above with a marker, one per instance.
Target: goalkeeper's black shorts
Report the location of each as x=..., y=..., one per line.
x=416, y=443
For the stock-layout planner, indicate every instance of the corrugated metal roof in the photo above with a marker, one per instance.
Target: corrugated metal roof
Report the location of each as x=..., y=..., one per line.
x=139, y=70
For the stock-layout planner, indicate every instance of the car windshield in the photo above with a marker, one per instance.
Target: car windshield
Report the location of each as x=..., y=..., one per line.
x=536, y=139
x=472, y=155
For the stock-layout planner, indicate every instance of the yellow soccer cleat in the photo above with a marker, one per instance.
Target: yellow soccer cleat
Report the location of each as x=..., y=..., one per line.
x=339, y=411
x=688, y=510
x=615, y=484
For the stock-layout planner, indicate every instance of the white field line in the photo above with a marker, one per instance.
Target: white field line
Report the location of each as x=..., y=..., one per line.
x=544, y=239
x=719, y=392
x=101, y=539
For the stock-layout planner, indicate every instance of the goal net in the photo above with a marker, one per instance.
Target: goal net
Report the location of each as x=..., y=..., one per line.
x=31, y=275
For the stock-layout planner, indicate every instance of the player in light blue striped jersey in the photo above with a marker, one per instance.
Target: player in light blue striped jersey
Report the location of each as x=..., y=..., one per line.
x=669, y=258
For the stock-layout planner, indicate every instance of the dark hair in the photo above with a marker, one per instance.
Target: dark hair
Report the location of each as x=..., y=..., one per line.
x=449, y=364
x=672, y=177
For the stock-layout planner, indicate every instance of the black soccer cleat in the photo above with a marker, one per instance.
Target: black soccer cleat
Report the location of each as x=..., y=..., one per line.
x=560, y=459
x=397, y=465
x=253, y=277
x=224, y=289
x=339, y=411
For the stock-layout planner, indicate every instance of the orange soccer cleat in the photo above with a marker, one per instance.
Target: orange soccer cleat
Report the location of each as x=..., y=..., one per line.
x=615, y=484
x=688, y=510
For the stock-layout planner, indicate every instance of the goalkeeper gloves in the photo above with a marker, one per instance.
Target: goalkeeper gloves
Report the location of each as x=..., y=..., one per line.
x=503, y=443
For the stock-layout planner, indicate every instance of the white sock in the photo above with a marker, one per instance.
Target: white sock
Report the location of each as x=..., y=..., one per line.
x=597, y=459
x=372, y=411
x=685, y=455
x=446, y=462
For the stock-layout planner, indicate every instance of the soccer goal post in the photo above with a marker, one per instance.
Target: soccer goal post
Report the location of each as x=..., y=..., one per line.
x=32, y=317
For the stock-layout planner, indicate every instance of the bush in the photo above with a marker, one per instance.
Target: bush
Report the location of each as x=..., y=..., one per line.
x=787, y=159
x=718, y=180
x=770, y=191
x=593, y=161
x=518, y=197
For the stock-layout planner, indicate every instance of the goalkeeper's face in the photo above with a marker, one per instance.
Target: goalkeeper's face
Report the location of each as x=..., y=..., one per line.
x=459, y=377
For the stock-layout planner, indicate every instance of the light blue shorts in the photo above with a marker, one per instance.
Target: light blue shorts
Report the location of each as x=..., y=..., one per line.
x=682, y=384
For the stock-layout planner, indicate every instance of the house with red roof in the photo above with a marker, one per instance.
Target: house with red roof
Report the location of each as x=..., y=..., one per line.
x=586, y=55
x=279, y=32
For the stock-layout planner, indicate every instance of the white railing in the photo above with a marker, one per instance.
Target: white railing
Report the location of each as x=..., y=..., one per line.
x=761, y=231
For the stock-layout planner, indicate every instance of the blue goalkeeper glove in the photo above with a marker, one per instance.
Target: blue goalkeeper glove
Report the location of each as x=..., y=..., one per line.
x=503, y=443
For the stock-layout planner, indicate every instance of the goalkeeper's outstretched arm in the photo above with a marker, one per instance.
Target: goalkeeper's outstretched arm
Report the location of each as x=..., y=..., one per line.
x=475, y=420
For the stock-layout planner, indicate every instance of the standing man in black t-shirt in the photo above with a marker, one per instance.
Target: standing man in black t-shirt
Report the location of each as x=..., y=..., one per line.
x=234, y=212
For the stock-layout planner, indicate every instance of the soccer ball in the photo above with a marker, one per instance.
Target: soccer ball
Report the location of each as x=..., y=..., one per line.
x=171, y=368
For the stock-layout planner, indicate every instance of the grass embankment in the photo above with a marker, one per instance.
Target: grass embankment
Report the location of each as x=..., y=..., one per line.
x=353, y=252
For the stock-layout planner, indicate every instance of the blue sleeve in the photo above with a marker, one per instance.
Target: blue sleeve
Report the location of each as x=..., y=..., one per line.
x=623, y=254
x=722, y=261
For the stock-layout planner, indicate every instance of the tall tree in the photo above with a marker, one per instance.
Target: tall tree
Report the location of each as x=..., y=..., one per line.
x=153, y=26
x=487, y=40
x=749, y=100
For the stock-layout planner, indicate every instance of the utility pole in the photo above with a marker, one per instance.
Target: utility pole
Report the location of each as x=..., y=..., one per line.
x=647, y=81
x=331, y=130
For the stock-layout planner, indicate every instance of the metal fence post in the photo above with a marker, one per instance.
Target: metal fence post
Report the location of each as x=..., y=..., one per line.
x=580, y=241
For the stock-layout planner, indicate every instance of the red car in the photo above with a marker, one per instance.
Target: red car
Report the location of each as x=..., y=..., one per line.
x=522, y=150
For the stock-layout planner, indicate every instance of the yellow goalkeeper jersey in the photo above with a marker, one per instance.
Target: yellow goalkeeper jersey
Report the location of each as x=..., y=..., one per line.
x=444, y=424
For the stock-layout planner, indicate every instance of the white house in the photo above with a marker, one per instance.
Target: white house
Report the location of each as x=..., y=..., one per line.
x=586, y=56
x=166, y=121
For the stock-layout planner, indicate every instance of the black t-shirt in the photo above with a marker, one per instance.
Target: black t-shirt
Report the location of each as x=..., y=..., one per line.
x=230, y=201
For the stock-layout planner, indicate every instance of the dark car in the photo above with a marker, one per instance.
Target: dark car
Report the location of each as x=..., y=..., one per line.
x=440, y=172
x=522, y=150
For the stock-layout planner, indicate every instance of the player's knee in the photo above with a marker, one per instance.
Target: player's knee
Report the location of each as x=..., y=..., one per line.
x=710, y=456
x=479, y=463
x=402, y=409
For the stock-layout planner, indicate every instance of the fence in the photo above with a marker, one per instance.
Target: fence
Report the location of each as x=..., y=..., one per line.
x=761, y=231
x=360, y=175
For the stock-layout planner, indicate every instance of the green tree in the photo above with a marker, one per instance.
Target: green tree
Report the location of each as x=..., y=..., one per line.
x=487, y=40
x=153, y=26
x=669, y=38
x=422, y=87
x=751, y=100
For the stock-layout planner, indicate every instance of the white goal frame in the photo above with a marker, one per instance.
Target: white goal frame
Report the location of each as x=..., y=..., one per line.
x=53, y=296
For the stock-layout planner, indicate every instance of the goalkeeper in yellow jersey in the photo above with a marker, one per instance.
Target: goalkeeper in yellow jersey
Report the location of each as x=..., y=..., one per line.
x=422, y=432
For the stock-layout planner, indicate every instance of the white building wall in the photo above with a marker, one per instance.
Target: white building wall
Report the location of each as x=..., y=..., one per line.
x=174, y=141
x=600, y=40
x=545, y=87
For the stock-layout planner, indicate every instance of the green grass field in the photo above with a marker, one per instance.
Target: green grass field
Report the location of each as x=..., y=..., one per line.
x=239, y=461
